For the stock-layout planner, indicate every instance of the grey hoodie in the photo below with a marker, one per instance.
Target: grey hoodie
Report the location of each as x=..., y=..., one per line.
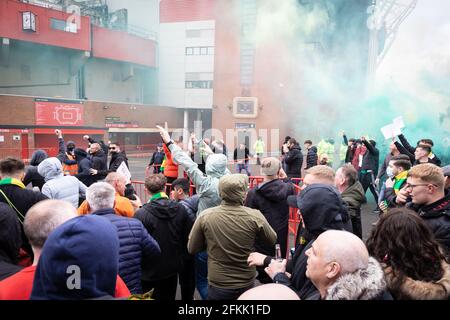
x=58, y=186
x=207, y=186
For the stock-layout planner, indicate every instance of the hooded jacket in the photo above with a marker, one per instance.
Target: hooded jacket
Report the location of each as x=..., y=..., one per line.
x=363, y=284
x=437, y=216
x=270, y=199
x=10, y=241
x=85, y=248
x=322, y=209
x=228, y=233
x=32, y=176
x=206, y=186
x=58, y=186
x=354, y=198
x=412, y=289
x=311, y=158
x=135, y=245
x=294, y=161
x=84, y=165
x=169, y=224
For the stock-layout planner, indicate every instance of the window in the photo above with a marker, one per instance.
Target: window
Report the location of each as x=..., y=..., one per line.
x=200, y=51
x=199, y=84
x=189, y=51
x=63, y=26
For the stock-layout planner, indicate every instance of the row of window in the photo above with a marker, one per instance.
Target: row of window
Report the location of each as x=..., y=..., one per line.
x=200, y=51
x=199, y=84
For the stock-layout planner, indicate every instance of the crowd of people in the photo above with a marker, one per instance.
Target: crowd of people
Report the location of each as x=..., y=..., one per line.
x=72, y=226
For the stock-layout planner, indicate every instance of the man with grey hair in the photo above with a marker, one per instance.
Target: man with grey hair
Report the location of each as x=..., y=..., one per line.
x=135, y=242
x=340, y=268
x=39, y=222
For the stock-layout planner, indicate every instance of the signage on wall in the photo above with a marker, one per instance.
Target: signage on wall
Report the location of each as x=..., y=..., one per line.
x=122, y=125
x=16, y=138
x=244, y=125
x=53, y=112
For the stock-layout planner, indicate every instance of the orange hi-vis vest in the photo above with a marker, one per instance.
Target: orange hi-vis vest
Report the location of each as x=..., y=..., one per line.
x=70, y=170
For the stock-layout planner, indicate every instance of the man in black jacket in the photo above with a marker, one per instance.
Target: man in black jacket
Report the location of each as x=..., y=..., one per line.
x=14, y=193
x=322, y=209
x=270, y=197
x=409, y=150
x=425, y=186
x=369, y=168
x=157, y=158
x=180, y=193
x=168, y=222
x=98, y=161
x=10, y=241
x=311, y=157
x=293, y=158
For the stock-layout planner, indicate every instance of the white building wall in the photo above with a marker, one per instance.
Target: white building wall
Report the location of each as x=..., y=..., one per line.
x=174, y=63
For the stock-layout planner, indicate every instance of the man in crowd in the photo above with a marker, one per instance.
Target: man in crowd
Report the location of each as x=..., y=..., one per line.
x=293, y=158
x=352, y=193
x=369, y=169
x=98, y=160
x=206, y=186
x=259, y=148
x=311, y=157
x=425, y=186
x=407, y=149
x=79, y=260
x=157, y=159
x=242, y=156
x=66, y=155
x=270, y=197
x=14, y=193
x=58, y=186
x=136, y=244
x=180, y=193
x=397, y=172
x=40, y=221
x=228, y=233
x=340, y=268
x=122, y=205
x=10, y=241
x=168, y=222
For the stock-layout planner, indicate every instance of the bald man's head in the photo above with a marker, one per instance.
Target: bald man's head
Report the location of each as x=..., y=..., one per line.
x=332, y=255
x=271, y=291
x=44, y=217
x=345, y=248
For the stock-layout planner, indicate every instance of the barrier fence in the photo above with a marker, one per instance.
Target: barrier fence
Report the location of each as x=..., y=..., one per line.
x=295, y=217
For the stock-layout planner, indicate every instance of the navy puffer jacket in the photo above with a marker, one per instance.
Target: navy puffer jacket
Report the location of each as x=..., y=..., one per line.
x=136, y=244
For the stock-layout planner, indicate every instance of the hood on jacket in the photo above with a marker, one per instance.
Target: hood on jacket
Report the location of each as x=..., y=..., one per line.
x=164, y=208
x=363, y=284
x=322, y=208
x=233, y=188
x=85, y=247
x=354, y=195
x=10, y=234
x=313, y=149
x=80, y=154
x=296, y=146
x=275, y=190
x=216, y=165
x=421, y=290
x=37, y=157
x=50, y=168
